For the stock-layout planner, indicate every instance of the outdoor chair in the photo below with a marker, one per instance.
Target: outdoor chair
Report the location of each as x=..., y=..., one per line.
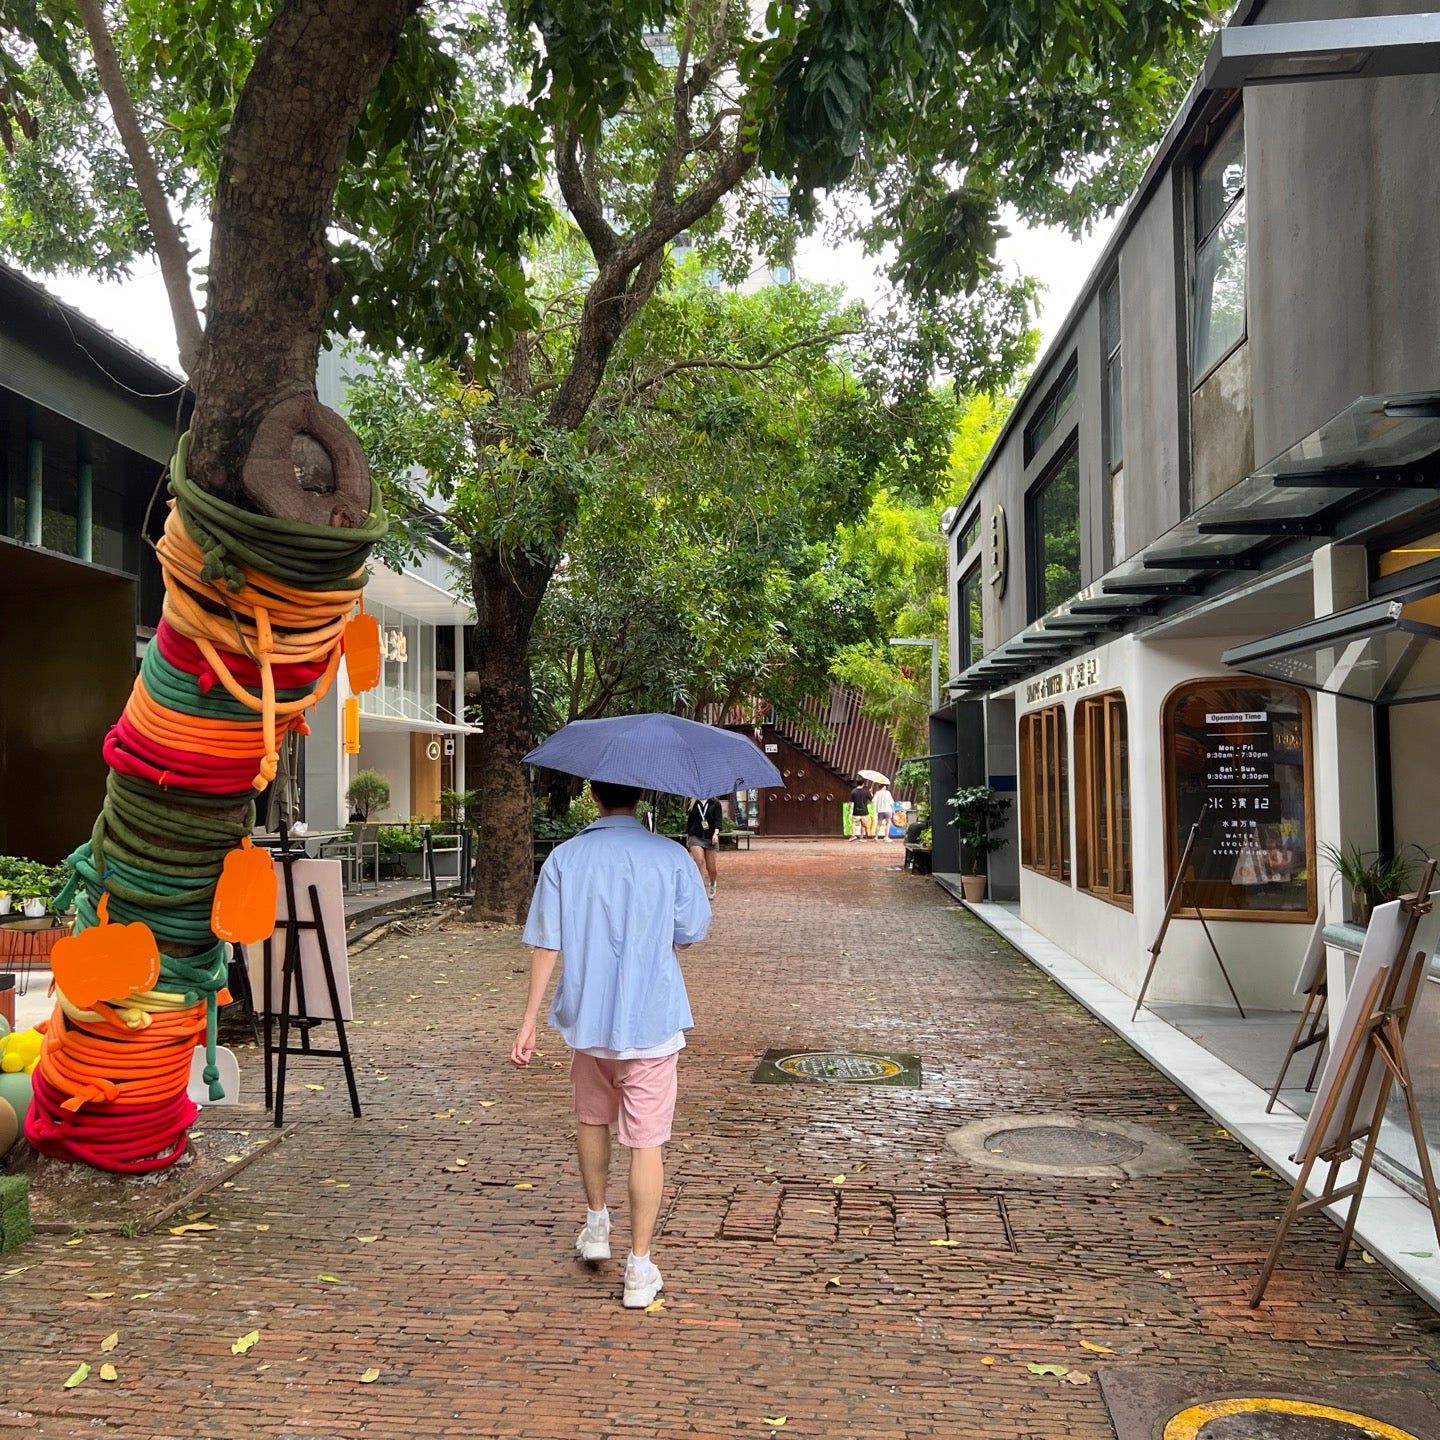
x=354, y=854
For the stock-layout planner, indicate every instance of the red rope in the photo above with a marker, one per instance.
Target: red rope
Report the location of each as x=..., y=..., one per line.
x=128, y=1139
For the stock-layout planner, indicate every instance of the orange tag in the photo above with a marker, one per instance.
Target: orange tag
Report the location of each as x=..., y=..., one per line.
x=105, y=962
x=243, y=910
x=362, y=652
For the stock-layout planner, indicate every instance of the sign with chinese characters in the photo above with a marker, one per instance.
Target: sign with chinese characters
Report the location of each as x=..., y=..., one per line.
x=397, y=648
x=1079, y=676
x=998, y=549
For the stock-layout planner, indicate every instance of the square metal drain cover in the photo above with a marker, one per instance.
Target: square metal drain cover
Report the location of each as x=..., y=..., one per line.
x=836, y=1067
x=1189, y=1405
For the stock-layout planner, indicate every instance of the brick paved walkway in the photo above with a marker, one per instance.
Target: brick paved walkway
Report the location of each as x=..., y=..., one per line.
x=788, y=1295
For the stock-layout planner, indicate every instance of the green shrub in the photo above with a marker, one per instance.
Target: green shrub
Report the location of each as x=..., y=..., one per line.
x=367, y=792
x=397, y=840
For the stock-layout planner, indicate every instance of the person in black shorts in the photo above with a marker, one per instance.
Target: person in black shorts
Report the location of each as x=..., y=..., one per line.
x=859, y=809
x=702, y=839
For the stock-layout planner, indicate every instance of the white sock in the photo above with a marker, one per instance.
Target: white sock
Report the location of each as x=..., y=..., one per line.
x=595, y=1217
x=640, y=1263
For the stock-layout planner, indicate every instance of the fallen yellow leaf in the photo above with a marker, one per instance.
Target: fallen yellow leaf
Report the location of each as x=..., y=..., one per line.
x=191, y=1228
x=987, y=1359
x=1061, y=1370
x=245, y=1343
x=485, y=1104
x=1162, y=1220
x=143, y=1295
x=233, y=1159
x=837, y=1179
x=329, y=1279
x=773, y=1421
x=80, y=1375
x=314, y=1087
x=109, y=1372
x=262, y=1227
x=524, y=1185
x=110, y=1342
x=834, y=1280
x=1075, y=1377
x=1096, y=1349
x=946, y=1244
x=370, y=1376
x=654, y=1307
x=366, y=1239
x=98, y=1294
x=78, y=1240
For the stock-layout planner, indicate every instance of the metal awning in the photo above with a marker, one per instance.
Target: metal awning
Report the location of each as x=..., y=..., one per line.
x=1375, y=463
x=1386, y=651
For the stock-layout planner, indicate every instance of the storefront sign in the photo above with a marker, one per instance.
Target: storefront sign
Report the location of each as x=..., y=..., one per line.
x=999, y=550
x=1079, y=676
x=397, y=649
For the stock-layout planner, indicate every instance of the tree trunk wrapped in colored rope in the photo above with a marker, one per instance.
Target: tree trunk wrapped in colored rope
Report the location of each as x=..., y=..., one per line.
x=253, y=629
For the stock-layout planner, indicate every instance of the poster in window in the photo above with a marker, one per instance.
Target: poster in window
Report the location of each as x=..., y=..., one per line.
x=1240, y=752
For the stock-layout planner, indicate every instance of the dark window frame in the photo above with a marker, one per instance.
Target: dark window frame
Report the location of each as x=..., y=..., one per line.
x=1112, y=416
x=1035, y=599
x=1057, y=404
x=1216, y=137
x=972, y=646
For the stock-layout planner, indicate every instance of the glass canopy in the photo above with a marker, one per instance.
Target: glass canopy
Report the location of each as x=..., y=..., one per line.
x=1384, y=651
x=1373, y=449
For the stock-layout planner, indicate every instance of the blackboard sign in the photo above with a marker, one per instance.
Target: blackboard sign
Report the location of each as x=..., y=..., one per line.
x=1239, y=752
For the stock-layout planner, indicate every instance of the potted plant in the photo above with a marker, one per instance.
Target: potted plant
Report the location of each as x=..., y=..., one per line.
x=1372, y=877
x=978, y=813
x=400, y=850
x=368, y=791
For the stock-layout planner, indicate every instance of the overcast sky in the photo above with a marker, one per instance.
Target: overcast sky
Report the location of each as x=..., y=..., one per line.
x=136, y=309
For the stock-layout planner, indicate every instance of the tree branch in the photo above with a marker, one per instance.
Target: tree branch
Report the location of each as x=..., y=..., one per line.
x=581, y=199
x=170, y=247
x=739, y=366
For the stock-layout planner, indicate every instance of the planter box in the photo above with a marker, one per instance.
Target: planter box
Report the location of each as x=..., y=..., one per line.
x=29, y=942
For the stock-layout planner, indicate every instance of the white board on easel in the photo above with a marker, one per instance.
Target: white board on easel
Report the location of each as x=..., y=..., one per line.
x=324, y=875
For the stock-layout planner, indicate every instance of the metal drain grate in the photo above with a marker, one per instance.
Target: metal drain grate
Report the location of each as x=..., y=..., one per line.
x=836, y=1067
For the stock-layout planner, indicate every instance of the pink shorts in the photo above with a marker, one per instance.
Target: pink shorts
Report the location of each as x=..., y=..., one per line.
x=636, y=1096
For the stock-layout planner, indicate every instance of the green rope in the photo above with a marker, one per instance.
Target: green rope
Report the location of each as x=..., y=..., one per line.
x=314, y=557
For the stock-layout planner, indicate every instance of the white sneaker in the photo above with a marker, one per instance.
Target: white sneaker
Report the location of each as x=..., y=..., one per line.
x=710, y=891
x=641, y=1286
x=593, y=1241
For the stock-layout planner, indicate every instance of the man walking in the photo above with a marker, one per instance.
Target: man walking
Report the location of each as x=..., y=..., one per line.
x=859, y=811
x=702, y=838
x=616, y=901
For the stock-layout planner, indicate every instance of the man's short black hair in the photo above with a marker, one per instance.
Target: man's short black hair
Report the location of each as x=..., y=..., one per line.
x=615, y=797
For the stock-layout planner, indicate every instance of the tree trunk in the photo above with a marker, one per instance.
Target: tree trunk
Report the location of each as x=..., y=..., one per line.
x=271, y=279
x=508, y=592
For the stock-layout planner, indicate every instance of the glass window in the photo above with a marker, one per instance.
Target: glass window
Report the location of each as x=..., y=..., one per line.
x=1053, y=523
x=1237, y=760
x=1113, y=398
x=970, y=624
x=1102, y=798
x=1220, y=249
x=1422, y=551
x=1051, y=411
x=1045, y=793
x=969, y=536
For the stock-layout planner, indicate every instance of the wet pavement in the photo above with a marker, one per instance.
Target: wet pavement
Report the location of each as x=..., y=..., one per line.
x=832, y=1256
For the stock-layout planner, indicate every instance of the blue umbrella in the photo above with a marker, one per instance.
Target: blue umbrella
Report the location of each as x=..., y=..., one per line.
x=657, y=752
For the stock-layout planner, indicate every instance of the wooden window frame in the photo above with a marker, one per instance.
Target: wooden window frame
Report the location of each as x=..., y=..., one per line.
x=1044, y=794
x=1173, y=843
x=1096, y=719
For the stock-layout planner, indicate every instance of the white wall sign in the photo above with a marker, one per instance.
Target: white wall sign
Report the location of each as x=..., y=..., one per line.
x=999, y=550
x=772, y=749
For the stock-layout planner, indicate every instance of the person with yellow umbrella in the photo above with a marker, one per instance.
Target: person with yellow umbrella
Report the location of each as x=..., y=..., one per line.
x=882, y=804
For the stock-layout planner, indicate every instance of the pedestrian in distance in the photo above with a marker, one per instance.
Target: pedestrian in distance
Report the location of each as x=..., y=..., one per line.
x=884, y=810
x=702, y=839
x=613, y=904
x=859, y=811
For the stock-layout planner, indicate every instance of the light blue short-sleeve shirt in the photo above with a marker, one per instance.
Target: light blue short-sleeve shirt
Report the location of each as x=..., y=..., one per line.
x=615, y=901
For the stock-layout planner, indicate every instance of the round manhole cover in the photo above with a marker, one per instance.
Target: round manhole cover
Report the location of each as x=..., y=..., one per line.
x=1063, y=1146
x=842, y=1065
x=1275, y=1418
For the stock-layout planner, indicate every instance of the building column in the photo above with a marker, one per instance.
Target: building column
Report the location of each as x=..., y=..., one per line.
x=35, y=491
x=84, y=510
x=1343, y=766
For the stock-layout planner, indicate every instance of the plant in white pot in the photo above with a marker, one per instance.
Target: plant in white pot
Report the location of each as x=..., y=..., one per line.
x=978, y=814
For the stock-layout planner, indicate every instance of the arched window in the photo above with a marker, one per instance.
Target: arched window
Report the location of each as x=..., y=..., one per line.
x=1237, y=760
x=1102, y=798
x=1045, y=793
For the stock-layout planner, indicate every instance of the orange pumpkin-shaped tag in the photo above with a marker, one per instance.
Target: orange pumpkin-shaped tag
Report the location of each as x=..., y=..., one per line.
x=362, y=652
x=243, y=910
x=105, y=962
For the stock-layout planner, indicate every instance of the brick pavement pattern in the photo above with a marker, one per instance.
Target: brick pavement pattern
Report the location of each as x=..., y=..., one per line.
x=789, y=1294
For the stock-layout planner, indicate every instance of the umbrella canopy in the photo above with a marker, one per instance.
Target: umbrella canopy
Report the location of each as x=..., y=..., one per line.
x=658, y=752
x=876, y=776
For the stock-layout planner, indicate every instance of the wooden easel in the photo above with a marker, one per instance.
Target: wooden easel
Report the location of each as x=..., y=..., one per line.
x=1317, y=994
x=1378, y=1037
x=293, y=986
x=1172, y=903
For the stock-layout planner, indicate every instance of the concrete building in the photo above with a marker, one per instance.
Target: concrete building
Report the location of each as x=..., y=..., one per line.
x=1234, y=436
